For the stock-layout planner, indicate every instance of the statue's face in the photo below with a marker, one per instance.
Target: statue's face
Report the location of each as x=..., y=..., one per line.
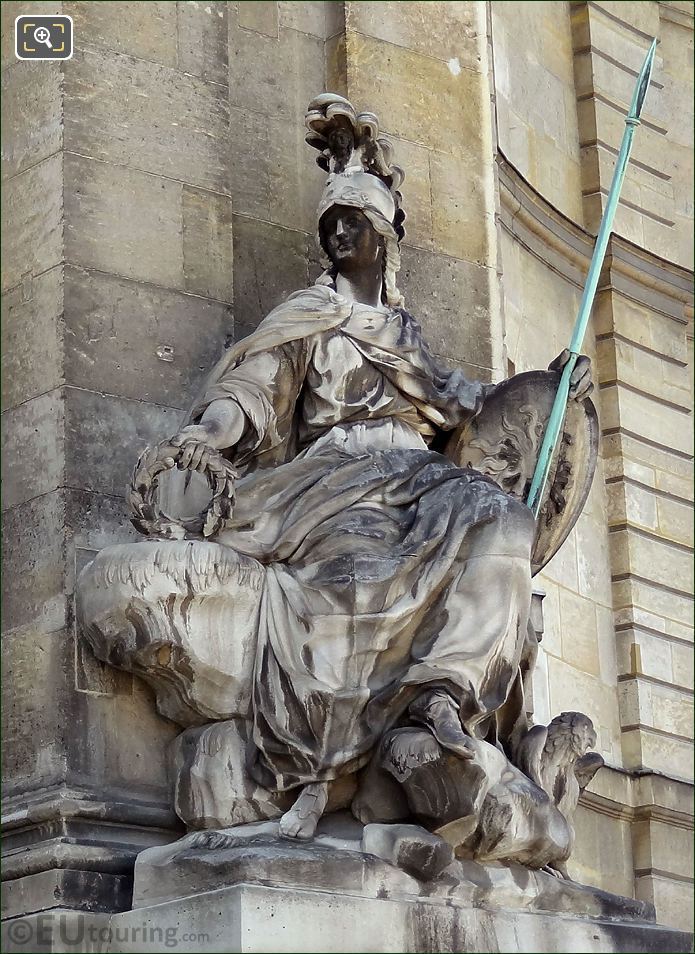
x=349, y=239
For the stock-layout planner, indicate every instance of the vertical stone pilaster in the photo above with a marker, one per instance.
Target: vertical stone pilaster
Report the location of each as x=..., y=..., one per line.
x=118, y=289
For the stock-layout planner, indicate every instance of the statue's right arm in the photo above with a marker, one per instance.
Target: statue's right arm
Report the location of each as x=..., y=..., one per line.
x=262, y=388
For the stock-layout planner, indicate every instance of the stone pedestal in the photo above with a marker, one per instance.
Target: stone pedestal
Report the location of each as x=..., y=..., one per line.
x=261, y=919
x=246, y=889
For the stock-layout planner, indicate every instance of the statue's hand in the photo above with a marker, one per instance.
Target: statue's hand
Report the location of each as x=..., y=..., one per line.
x=581, y=383
x=197, y=442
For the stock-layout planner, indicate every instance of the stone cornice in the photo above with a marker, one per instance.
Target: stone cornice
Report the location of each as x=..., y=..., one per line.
x=640, y=796
x=566, y=248
x=676, y=13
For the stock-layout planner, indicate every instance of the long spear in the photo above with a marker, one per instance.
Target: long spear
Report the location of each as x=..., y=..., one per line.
x=557, y=414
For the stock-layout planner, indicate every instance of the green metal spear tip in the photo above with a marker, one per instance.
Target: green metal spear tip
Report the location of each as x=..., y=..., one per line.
x=534, y=498
x=645, y=75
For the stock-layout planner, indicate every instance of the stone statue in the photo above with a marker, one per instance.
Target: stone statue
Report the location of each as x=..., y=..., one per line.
x=348, y=626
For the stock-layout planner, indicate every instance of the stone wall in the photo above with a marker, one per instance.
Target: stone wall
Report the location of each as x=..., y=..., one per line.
x=159, y=200
x=618, y=604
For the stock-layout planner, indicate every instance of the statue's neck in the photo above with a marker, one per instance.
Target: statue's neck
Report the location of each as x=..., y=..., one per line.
x=363, y=286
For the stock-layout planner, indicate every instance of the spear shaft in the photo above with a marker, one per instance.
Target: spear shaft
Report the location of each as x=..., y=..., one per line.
x=557, y=414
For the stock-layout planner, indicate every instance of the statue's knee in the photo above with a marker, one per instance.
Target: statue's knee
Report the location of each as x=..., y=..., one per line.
x=520, y=522
x=513, y=529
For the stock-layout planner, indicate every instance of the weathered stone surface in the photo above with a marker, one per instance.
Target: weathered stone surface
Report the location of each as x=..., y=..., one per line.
x=419, y=852
x=45, y=931
x=95, y=521
x=33, y=557
x=105, y=434
x=259, y=919
x=31, y=113
x=273, y=181
x=33, y=203
x=653, y=751
x=446, y=31
x=579, y=636
x=36, y=724
x=340, y=861
x=462, y=214
x=260, y=17
x=139, y=341
x=212, y=788
x=56, y=888
x=207, y=244
x=145, y=245
x=651, y=558
x=257, y=61
x=125, y=751
x=417, y=193
x=659, y=845
x=203, y=40
x=270, y=263
x=450, y=299
x=674, y=898
x=314, y=16
x=171, y=124
x=603, y=846
x=32, y=335
x=33, y=452
x=425, y=100
x=148, y=33
x=664, y=708
x=175, y=236
x=659, y=423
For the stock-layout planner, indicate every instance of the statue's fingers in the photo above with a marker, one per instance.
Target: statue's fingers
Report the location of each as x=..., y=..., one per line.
x=186, y=455
x=582, y=389
x=581, y=368
x=197, y=456
x=201, y=461
x=557, y=364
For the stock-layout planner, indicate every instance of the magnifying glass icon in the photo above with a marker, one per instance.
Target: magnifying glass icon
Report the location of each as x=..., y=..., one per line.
x=43, y=35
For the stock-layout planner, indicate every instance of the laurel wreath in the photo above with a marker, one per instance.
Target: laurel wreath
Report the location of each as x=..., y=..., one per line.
x=145, y=513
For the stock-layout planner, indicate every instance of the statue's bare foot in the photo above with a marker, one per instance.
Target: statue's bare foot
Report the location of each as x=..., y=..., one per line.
x=301, y=820
x=437, y=710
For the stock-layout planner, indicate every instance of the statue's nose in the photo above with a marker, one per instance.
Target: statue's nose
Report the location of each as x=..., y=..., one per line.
x=339, y=228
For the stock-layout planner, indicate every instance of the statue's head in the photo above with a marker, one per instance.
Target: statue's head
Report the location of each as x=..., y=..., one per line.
x=360, y=200
x=349, y=239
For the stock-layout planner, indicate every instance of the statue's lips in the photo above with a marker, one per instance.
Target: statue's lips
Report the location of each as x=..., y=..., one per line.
x=344, y=249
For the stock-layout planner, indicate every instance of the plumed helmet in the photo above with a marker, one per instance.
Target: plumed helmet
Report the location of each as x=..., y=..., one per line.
x=361, y=174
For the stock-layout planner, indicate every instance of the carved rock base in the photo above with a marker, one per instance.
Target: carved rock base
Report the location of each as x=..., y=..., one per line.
x=339, y=859
x=212, y=787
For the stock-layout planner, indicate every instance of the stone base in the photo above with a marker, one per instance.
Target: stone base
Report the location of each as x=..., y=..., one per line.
x=284, y=920
x=353, y=889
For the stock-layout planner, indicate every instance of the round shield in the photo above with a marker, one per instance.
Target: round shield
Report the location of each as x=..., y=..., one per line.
x=504, y=440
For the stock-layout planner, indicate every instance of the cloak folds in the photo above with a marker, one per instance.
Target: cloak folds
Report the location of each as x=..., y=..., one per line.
x=388, y=568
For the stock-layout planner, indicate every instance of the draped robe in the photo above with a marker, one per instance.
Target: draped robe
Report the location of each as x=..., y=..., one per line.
x=389, y=569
